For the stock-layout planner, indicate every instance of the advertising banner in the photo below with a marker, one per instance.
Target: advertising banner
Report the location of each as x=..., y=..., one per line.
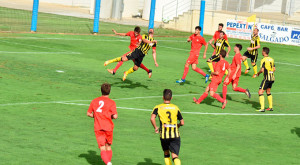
x=267, y=32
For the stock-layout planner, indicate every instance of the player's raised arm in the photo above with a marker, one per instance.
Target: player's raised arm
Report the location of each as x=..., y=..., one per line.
x=119, y=34
x=229, y=48
x=154, y=57
x=90, y=114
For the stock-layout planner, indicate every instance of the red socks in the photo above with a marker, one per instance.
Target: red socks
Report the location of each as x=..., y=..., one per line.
x=218, y=97
x=238, y=89
x=118, y=66
x=224, y=92
x=144, y=67
x=202, y=97
x=109, y=155
x=200, y=71
x=185, y=72
x=104, y=157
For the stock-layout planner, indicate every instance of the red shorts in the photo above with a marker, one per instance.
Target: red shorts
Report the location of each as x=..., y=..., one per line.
x=235, y=81
x=193, y=58
x=213, y=86
x=104, y=137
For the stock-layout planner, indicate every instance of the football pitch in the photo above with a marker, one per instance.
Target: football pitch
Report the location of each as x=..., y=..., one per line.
x=48, y=81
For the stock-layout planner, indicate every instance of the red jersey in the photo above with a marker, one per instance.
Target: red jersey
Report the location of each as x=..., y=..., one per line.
x=220, y=67
x=134, y=40
x=217, y=36
x=237, y=59
x=197, y=42
x=103, y=108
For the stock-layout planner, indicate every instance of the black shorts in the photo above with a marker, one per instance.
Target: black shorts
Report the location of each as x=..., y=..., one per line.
x=172, y=144
x=253, y=57
x=215, y=58
x=137, y=56
x=265, y=84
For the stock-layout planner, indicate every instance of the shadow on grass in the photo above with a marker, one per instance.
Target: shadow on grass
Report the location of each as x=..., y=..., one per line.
x=148, y=161
x=296, y=130
x=255, y=104
x=129, y=84
x=92, y=158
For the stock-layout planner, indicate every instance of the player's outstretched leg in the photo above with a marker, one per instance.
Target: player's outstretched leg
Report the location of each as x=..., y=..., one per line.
x=113, y=60
x=201, y=98
x=255, y=70
x=245, y=62
x=224, y=91
x=131, y=70
x=185, y=72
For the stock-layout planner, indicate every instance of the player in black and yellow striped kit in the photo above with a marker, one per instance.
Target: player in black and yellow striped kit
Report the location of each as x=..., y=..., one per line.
x=268, y=68
x=219, y=45
x=252, y=52
x=168, y=114
x=138, y=53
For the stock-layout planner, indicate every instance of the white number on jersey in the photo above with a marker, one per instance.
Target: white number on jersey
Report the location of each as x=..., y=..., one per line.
x=101, y=104
x=223, y=67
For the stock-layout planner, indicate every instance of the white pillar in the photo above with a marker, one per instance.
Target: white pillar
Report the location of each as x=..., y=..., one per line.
x=92, y=7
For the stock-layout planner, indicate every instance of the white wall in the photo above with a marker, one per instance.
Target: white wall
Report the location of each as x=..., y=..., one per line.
x=131, y=7
x=85, y=3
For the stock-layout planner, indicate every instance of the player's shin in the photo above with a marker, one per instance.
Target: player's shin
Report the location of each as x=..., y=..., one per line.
x=168, y=160
x=200, y=71
x=109, y=155
x=238, y=89
x=224, y=92
x=270, y=99
x=185, y=72
x=262, y=102
x=118, y=66
x=218, y=97
x=115, y=60
x=246, y=64
x=210, y=65
x=131, y=70
x=202, y=97
x=177, y=161
x=104, y=157
x=255, y=68
x=144, y=67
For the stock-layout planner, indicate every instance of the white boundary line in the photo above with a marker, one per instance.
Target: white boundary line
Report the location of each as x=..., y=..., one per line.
x=7, y=52
x=149, y=110
x=199, y=113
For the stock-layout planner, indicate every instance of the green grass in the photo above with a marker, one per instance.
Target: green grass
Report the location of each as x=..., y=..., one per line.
x=37, y=128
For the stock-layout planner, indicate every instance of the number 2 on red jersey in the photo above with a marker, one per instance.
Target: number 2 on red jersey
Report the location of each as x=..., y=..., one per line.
x=101, y=104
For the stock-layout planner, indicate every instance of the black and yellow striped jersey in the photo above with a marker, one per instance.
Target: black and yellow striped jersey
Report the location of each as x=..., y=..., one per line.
x=255, y=41
x=144, y=47
x=268, y=64
x=220, y=44
x=168, y=115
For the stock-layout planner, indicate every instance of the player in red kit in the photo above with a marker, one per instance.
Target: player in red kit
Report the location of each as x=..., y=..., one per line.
x=197, y=42
x=135, y=40
x=235, y=70
x=217, y=34
x=103, y=110
x=216, y=80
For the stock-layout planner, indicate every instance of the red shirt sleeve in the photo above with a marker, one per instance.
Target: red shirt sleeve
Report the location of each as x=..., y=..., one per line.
x=129, y=33
x=90, y=110
x=191, y=37
x=203, y=41
x=237, y=60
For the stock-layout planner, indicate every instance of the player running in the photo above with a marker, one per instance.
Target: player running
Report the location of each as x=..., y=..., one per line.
x=138, y=54
x=103, y=110
x=217, y=34
x=168, y=115
x=219, y=45
x=197, y=42
x=235, y=73
x=252, y=52
x=216, y=80
x=268, y=68
x=135, y=40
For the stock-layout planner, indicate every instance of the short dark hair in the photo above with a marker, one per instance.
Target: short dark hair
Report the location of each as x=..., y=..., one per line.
x=137, y=29
x=198, y=27
x=239, y=46
x=167, y=94
x=105, y=89
x=223, y=53
x=222, y=32
x=266, y=50
x=220, y=24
